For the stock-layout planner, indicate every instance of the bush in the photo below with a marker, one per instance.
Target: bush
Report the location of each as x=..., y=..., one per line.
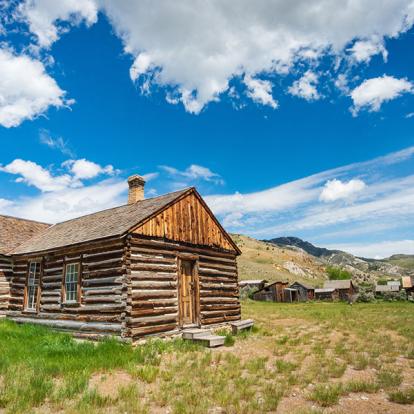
x=395, y=296
x=366, y=293
x=336, y=273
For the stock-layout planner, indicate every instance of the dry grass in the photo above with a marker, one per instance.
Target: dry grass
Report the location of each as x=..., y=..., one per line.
x=303, y=358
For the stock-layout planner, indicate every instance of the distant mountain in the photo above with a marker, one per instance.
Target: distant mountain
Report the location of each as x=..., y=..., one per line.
x=362, y=269
x=302, y=244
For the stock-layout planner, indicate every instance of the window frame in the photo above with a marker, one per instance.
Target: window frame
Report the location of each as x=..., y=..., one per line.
x=76, y=301
x=36, y=295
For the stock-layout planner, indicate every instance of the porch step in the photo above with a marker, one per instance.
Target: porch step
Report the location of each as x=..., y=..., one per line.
x=204, y=337
x=239, y=326
x=195, y=333
x=209, y=340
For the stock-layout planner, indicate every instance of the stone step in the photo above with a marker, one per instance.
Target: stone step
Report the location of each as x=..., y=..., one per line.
x=195, y=333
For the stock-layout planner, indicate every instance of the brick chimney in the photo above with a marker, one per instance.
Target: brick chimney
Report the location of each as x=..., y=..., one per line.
x=136, y=189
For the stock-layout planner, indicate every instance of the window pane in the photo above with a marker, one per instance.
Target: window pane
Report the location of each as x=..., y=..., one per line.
x=33, y=285
x=71, y=282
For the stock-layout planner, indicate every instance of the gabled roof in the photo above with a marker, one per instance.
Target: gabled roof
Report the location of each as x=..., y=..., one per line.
x=306, y=286
x=14, y=231
x=338, y=284
x=112, y=222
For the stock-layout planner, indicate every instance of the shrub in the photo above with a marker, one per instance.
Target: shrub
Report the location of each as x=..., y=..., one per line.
x=395, y=296
x=326, y=395
x=366, y=293
x=336, y=273
x=402, y=397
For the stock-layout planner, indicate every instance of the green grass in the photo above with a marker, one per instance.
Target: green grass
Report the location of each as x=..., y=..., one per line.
x=291, y=346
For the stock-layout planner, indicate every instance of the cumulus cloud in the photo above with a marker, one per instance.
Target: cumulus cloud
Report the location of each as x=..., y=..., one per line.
x=260, y=91
x=43, y=16
x=35, y=175
x=305, y=87
x=196, y=47
x=363, y=50
x=372, y=93
x=84, y=169
x=26, y=90
x=339, y=190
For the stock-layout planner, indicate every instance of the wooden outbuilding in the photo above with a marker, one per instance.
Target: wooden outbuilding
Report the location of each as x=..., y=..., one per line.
x=408, y=284
x=152, y=266
x=326, y=294
x=345, y=288
x=305, y=291
x=273, y=292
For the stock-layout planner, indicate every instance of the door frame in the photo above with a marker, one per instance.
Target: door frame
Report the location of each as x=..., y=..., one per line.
x=196, y=290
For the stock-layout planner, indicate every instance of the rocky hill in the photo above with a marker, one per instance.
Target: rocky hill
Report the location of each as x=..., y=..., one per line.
x=290, y=258
x=362, y=269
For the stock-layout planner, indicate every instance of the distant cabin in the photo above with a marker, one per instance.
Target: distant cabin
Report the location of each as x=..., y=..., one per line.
x=326, y=294
x=305, y=291
x=345, y=288
x=408, y=284
x=150, y=267
x=273, y=292
x=253, y=284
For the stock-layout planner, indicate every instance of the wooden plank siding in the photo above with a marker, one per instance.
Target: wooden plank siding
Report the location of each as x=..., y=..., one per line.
x=6, y=273
x=187, y=220
x=154, y=281
x=103, y=290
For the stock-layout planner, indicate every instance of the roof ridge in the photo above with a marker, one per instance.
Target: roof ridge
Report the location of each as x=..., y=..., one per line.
x=122, y=205
x=24, y=219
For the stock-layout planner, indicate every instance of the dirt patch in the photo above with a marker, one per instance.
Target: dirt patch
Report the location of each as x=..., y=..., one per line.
x=108, y=384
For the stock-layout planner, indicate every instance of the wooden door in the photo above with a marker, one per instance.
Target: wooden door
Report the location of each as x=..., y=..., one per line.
x=188, y=291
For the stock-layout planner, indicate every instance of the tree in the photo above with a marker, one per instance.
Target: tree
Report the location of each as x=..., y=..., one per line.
x=336, y=273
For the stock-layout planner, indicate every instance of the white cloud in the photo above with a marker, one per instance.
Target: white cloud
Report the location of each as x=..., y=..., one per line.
x=305, y=87
x=26, y=90
x=378, y=250
x=194, y=172
x=260, y=91
x=196, y=47
x=55, y=143
x=339, y=190
x=43, y=15
x=68, y=203
x=372, y=93
x=83, y=169
x=363, y=50
x=37, y=176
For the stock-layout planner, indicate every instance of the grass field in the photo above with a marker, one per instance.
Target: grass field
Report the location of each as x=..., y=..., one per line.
x=302, y=358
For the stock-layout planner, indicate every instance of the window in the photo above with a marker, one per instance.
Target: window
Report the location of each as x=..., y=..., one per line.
x=71, y=282
x=33, y=285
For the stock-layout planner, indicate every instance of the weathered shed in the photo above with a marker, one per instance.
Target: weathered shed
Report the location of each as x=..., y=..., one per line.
x=152, y=266
x=305, y=291
x=273, y=292
x=346, y=289
x=408, y=284
x=326, y=294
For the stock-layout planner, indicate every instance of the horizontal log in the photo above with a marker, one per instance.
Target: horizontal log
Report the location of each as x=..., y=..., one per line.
x=153, y=285
x=210, y=321
x=217, y=299
x=153, y=294
x=153, y=311
x=153, y=303
x=103, y=299
x=207, y=271
x=102, y=272
x=224, y=314
x=153, y=276
x=152, y=320
x=218, y=293
x=71, y=325
x=153, y=267
x=104, y=281
x=103, y=253
x=73, y=316
x=102, y=290
x=152, y=330
x=136, y=259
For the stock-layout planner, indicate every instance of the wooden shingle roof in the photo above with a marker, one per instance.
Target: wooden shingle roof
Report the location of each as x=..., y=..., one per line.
x=338, y=284
x=103, y=224
x=14, y=231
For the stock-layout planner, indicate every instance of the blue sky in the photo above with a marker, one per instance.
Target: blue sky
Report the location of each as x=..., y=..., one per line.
x=290, y=119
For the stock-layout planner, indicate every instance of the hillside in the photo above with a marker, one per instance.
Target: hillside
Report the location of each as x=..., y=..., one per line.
x=262, y=260
x=363, y=269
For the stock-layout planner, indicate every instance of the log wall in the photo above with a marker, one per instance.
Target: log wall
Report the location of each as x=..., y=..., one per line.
x=153, y=294
x=103, y=290
x=6, y=272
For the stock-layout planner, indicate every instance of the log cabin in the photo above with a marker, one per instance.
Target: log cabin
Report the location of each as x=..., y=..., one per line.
x=151, y=267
